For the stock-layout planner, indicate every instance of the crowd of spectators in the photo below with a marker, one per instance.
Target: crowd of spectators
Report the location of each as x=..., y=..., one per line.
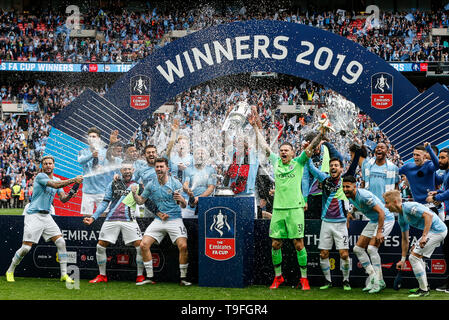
x=19, y=155
x=39, y=96
x=131, y=35
x=128, y=36
x=201, y=111
x=23, y=137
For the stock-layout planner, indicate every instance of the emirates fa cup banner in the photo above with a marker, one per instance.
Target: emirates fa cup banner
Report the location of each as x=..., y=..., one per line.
x=140, y=92
x=220, y=233
x=381, y=90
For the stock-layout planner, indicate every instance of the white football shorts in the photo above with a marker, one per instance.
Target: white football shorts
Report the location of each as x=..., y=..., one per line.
x=370, y=229
x=130, y=230
x=37, y=225
x=333, y=232
x=434, y=240
x=158, y=229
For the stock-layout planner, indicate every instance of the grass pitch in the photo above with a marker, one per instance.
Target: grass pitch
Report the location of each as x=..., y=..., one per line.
x=11, y=211
x=53, y=289
x=25, y=288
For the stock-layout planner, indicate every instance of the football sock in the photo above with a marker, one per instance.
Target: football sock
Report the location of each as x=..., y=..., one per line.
x=276, y=257
x=423, y=264
x=364, y=259
x=149, y=268
x=375, y=259
x=139, y=261
x=419, y=271
x=101, y=259
x=62, y=255
x=18, y=256
x=302, y=261
x=183, y=270
x=345, y=268
x=326, y=268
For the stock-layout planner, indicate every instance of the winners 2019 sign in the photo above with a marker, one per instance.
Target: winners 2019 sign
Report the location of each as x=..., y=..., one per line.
x=406, y=116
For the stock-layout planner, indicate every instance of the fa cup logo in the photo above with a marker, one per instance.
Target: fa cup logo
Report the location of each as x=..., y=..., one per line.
x=381, y=90
x=140, y=86
x=140, y=92
x=382, y=83
x=219, y=232
x=220, y=221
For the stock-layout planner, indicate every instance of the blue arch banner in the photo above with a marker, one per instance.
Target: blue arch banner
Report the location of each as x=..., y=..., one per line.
x=407, y=116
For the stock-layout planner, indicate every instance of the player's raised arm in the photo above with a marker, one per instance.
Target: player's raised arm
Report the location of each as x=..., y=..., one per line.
x=253, y=120
x=174, y=132
x=113, y=138
x=318, y=174
x=315, y=142
x=64, y=183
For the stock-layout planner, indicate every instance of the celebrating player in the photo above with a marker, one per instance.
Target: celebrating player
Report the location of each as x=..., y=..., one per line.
x=433, y=233
x=38, y=221
x=287, y=220
x=118, y=220
x=91, y=160
x=380, y=225
x=165, y=193
x=333, y=224
x=200, y=181
x=379, y=174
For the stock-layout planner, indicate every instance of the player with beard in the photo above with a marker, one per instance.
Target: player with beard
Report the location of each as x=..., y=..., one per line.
x=287, y=220
x=441, y=196
x=119, y=220
x=378, y=173
x=200, y=181
x=333, y=215
x=381, y=222
x=165, y=193
x=145, y=173
x=38, y=221
x=320, y=158
x=181, y=159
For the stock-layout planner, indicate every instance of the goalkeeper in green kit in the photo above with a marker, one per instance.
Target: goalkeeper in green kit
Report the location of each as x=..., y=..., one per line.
x=287, y=220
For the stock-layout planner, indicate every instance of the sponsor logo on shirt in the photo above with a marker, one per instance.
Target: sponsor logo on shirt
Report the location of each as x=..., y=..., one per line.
x=285, y=175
